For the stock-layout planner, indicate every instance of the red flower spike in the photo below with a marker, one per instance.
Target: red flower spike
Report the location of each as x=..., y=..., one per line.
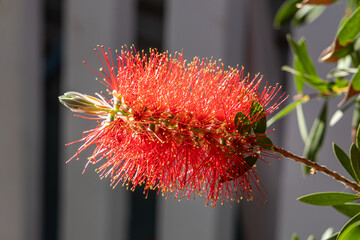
x=169, y=125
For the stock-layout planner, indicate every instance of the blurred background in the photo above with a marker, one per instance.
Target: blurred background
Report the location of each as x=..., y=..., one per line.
x=43, y=45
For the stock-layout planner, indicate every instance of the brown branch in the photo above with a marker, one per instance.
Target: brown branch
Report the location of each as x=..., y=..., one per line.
x=319, y=168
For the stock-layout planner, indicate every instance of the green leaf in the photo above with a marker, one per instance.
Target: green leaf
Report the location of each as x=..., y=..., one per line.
x=299, y=79
x=242, y=123
x=328, y=198
x=251, y=160
x=308, y=14
x=257, y=113
x=344, y=161
x=358, y=137
x=286, y=13
x=350, y=28
x=285, y=111
x=327, y=234
x=305, y=68
x=341, y=82
x=316, y=137
x=352, y=4
x=355, y=160
x=348, y=209
x=355, y=123
x=295, y=237
x=336, y=117
x=333, y=237
x=351, y=230
x=300, y=50
x=343, y=69
x=301, y=123
x=355, y=80
x=311, y=237
x=313, y=81
x=340, y=113
x=345, y=51
x=264, y=142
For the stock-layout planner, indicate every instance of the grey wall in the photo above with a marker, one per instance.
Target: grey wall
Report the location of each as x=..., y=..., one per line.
x=239, y=32
x=90, y=208
x=20, y=122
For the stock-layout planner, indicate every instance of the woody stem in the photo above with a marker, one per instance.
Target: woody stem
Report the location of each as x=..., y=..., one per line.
x=319, y=168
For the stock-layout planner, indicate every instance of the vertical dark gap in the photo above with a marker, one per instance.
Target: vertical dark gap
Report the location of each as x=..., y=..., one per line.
x=150, y=14
x=52, y=67
x=282, y=48
x=150, y=19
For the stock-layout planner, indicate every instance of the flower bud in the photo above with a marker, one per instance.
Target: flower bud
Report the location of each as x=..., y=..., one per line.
x=82, y=103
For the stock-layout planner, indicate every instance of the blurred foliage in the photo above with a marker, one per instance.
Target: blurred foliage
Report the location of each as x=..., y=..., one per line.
x=342, y=82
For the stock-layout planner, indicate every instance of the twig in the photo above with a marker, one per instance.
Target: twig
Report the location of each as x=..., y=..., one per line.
x=319, y=168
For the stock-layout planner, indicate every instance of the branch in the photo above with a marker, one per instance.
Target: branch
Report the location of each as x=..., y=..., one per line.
x=319, y=168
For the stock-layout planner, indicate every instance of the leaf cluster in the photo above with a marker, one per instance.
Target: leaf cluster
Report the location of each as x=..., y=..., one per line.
x=343, y=82
x=256, y=123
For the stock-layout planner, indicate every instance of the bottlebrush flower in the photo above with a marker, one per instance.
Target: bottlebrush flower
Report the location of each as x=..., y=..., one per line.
x=183, y=128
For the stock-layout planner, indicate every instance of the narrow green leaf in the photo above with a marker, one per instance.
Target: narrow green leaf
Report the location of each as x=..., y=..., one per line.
x=295, y=237
x=343, y=69
x=316, y=137
x=327, y=234
x=313, y=81
x=356, y=45
x=308, y=13
x=333, y=237
x=311, y=237
x=351, y=230
x=285, y=111
x=328, y=198
x=355, y=122
x=352, y=4
x=304, y=67
x=264, y=142
x=300, y=50
x=345, y=51
x=336, y=117
x=355, y=80
x=358, y=137
x=350, y=28
x=340, y=113
x=344, y=161
x=355, y=160
x=286, y=13
x=302, y=123
x=348, y=209
x=299, y=79
x=257, y=112
x=242, y=123
x=341, y=82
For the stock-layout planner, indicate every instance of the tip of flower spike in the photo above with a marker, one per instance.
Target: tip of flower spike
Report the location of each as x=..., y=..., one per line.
x=82, y=103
